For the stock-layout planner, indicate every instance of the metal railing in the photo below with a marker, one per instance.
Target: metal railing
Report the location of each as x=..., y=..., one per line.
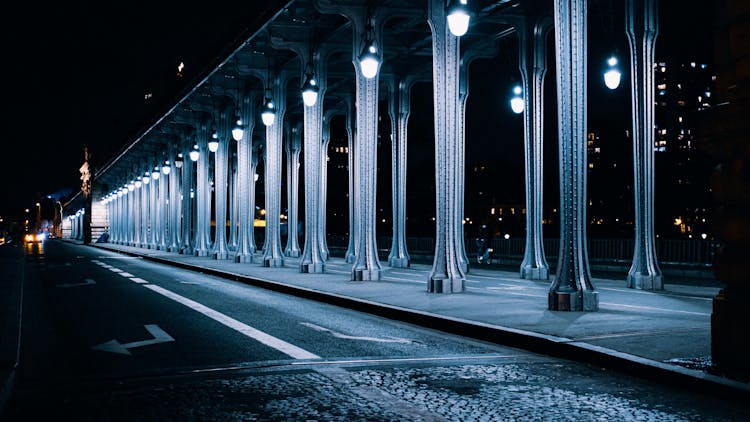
x=672, y=251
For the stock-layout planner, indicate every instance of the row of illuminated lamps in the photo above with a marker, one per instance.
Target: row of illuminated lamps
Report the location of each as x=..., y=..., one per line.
x=458, y=23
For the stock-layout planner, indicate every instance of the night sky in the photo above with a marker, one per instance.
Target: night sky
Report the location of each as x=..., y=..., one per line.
x=76, y=74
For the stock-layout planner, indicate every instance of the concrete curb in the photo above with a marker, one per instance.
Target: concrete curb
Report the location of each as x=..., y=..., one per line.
x=528, y=340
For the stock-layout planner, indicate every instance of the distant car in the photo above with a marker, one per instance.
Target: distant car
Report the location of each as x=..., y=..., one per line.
x=35, y=237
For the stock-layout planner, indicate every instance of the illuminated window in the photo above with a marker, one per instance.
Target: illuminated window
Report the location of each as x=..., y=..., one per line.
x=661, y=86
x=591, y=165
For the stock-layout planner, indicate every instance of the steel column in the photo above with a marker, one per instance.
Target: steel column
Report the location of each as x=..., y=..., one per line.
x=533, y=67
x=447, y=274
x=273, y=255
x=572, y=289
x=642, y=28
x=293, y=147
x=399, y=110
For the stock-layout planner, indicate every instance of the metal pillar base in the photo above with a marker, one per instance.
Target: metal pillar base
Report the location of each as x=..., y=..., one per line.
x=200, y=252
x=174, y=249
x=645, y=281
x=445, y=285
x=365, y=274
x=535, y=273
x=312, y=268
x=398, y=262
x=244, y=258
x=292, y=254
x=273, y=262
x=351, y=259
x=573, y=301
x=220, y=256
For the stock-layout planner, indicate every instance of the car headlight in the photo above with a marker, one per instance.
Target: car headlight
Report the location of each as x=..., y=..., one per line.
x=29, y=238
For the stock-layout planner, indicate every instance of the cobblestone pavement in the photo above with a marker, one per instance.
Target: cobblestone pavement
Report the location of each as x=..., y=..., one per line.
x=460, y=390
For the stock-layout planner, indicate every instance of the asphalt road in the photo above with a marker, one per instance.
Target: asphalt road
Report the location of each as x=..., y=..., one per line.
x=111, y=337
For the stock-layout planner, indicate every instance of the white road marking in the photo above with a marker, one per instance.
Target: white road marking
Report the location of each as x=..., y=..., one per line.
x=190, y=282
x=413, y=274
x=114, y=346
x=651, y=308
x=139, y=280
x=128, y=275
x=385, y=360
x=659, y=293
x=267, y=339
x=363, y=338
x=86, y=282
x=328, y=270
x=402, y=280
x=115, y=270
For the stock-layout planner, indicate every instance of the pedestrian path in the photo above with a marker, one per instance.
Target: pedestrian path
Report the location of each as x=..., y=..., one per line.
x=662, y=335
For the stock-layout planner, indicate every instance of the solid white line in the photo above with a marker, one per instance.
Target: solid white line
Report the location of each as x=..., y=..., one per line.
x=139, y=280
x=267, y=339
x=656, y=293
x=650, y=308
x=427, y=359
x=404, y=280
x=328, y=270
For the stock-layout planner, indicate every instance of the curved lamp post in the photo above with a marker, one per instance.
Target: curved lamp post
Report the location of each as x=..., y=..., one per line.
x=612, y=75
x=458, y=17
x=517, y=104
x=369, y=61
x=310, y=90
x=268, y=115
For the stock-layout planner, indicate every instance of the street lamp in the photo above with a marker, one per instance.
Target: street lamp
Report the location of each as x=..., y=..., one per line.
x=213, y=144
x=131, y=186
x=458, y=17
x=138, y=182
x=178, y=161
x=517, y=104
x=237, y=130
x=165, y=168
x=155, y=174
x=146, y=178
x=194, y=153
x=310, y=90
x=268, y=115
x=369, y=59
x=612, y=75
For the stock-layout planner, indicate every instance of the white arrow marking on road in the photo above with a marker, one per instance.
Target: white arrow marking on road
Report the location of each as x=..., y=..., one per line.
x=348, y=337
x=86, y=282
x=114, y=346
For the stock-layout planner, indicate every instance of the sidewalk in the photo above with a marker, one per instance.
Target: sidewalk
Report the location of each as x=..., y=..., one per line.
x=663, y=336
